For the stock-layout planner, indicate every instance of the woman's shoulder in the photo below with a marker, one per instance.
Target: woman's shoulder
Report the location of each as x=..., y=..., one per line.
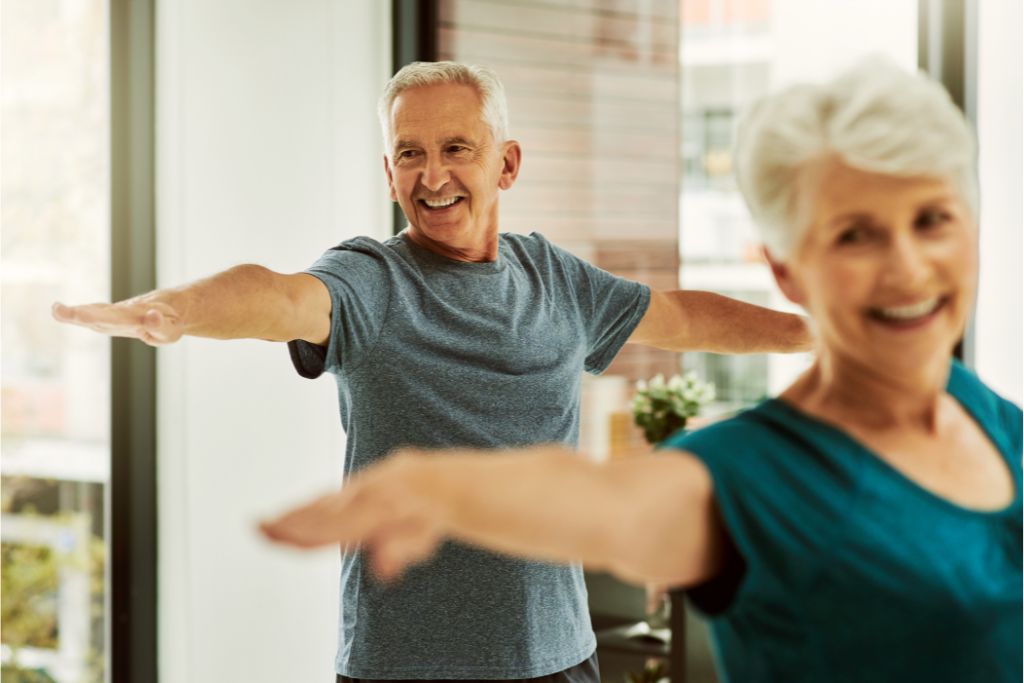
x=966, y=386
x=999, y=416
x=769, y=442
x=770, y=425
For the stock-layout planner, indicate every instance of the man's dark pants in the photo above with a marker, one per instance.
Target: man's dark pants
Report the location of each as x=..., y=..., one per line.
x=585, y=672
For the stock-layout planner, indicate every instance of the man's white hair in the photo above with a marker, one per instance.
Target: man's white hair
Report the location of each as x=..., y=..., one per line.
x=876, y=117
x=418, y=74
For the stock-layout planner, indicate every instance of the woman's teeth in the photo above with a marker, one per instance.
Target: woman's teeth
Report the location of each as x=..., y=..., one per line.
x=909, y=312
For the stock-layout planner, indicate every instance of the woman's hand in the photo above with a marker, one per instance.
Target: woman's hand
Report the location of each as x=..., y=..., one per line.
x=647, y=518
x=387, y=509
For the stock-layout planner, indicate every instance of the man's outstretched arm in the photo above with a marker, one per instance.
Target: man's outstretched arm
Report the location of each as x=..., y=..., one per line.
x=244, y=302
x=687, y=320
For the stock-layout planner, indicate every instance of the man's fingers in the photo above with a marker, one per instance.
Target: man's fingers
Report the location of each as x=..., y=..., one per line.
x=61, y=313
x=108, y=318
x=153, y=320
x=136, y=320
x=158, y=328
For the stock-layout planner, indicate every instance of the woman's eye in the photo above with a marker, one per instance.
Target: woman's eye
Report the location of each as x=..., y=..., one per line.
x=931, y=218
x=857, y=234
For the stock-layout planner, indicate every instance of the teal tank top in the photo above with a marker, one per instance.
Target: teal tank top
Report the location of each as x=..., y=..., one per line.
x=844, y=569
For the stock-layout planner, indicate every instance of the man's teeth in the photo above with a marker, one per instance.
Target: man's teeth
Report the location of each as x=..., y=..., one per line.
x=440, y=203
x=910, y=312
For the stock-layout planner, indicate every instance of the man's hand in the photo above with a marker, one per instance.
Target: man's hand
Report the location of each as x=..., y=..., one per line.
x=154, y=322
x=244, y=302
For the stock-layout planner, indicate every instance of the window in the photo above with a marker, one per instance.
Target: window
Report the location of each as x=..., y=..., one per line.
x=731, y=53
x=593, y=91
x=56, y=381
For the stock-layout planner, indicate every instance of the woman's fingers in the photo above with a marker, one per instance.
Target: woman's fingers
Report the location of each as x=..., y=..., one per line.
x=401, y=545
x=322, y=522
x=349, y=516
x=379, y=510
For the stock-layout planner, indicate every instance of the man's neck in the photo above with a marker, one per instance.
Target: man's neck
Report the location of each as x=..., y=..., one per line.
x=482, y=251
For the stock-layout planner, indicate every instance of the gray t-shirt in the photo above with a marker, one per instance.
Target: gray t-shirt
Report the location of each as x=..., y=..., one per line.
x=432, y=352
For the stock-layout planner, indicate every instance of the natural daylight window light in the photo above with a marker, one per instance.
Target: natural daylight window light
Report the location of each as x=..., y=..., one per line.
x=56, y=381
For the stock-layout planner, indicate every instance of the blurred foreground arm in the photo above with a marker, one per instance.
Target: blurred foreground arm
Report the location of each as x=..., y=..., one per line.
x=245, y=302
x=688, y=320
x=643, y=518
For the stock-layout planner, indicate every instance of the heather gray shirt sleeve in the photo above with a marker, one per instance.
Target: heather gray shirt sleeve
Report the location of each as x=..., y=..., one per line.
x=357, y=281
x=610, y=307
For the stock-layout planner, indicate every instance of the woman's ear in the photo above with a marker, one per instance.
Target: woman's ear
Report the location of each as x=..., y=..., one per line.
x=788, y=284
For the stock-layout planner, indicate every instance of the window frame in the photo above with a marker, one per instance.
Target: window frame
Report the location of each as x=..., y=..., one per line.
x=947, y=50
x=132, y=492
x=413, y=39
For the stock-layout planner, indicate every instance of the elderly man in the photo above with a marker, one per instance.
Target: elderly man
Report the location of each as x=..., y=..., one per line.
x=451, y=334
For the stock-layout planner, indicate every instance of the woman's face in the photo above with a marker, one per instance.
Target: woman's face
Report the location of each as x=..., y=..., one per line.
x=886, y=268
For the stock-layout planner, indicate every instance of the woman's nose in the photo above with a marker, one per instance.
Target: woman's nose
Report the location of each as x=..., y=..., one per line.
x=907, y=263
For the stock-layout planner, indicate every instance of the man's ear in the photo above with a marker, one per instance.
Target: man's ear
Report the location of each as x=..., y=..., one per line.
x=511, y=158
x=788, y=284
x=391, y=180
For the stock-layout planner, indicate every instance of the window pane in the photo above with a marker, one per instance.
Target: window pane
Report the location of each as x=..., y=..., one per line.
x=731, y=53
x=593, y=95
x=56, y=387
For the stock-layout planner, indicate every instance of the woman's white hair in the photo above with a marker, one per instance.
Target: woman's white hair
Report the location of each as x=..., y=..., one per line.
x=876, y=117
x=418, y=74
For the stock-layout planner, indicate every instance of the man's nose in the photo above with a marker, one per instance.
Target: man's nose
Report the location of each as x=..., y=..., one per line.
x=435, y=173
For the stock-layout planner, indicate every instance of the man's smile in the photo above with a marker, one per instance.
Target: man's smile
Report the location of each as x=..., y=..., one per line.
x=440, y=204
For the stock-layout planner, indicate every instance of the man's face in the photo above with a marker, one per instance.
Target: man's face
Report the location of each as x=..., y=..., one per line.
x=445, y=168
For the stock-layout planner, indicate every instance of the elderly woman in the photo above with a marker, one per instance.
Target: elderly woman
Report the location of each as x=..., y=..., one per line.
x=863, y=526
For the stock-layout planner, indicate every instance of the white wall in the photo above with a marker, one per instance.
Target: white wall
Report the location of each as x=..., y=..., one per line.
x=268, y=152
x=998, y=337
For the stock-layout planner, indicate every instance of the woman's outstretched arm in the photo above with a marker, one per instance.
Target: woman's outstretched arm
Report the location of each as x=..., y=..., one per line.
x=644, y=518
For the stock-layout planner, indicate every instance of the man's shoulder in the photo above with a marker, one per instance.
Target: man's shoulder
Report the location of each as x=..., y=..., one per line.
x=362, y=248
x=534, y=246
x=358, y=260
x=534, y=240
x=367, y=244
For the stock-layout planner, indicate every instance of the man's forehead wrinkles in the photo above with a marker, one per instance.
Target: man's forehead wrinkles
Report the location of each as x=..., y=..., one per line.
x=439, y=127
x=404, y=141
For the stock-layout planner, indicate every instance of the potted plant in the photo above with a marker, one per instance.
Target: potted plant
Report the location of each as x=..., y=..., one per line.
x=661, y=407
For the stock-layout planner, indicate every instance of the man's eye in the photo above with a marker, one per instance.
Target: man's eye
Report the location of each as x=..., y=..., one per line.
x=407, y=154
x=456, y=149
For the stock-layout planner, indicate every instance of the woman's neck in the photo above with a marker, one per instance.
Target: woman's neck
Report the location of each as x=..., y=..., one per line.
x=855, y=394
